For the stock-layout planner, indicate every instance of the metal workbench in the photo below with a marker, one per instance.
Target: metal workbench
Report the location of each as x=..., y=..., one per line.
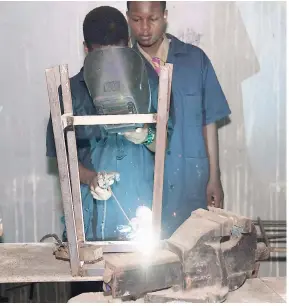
x=257, y=290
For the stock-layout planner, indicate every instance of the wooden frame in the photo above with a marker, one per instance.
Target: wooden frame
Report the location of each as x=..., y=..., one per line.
x=68, y=161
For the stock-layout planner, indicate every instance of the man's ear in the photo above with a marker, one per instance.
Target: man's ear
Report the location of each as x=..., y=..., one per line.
x=85, y=48
x=166, y=15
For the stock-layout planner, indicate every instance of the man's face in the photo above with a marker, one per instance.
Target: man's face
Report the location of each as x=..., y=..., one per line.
x=147, y=21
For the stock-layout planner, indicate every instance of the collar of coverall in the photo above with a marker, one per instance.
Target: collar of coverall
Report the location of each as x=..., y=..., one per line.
x=176, y=47
x=162, y=52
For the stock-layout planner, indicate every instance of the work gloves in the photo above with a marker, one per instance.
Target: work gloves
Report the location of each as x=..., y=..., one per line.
x=138, y=136
x=100, y=185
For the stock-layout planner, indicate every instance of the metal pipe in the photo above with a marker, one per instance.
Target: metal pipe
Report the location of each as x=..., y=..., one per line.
x=270, y=222
x=267, y=242
x=278, y=250
x=275, y=236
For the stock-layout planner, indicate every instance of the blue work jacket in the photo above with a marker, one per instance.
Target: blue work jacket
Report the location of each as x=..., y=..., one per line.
x=198, y=100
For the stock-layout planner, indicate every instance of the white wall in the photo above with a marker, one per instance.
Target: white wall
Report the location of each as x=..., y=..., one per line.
x=246, y=43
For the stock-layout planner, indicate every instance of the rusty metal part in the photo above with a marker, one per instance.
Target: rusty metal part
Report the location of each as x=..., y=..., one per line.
x=62, y=253
x=64, y=175
x=268, y=239
x=58, y=240
x=70, y=121
x=272, y=222
x=89, y=254
x=132, y=275
x=256, y=270
x=109, y=119
x=263, y=232
x=210, y=261
x=210, y=255
x=164, y=96
x=262, y=252
x=72, y=154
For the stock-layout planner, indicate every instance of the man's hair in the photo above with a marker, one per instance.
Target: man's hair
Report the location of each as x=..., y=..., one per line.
x=105, y=26
x=163, y=4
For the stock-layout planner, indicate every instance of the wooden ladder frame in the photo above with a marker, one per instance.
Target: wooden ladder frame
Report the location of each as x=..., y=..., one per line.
x=68, y=161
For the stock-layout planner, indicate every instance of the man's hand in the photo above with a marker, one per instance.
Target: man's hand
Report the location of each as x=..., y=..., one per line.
x=100, y=185
x=215, y=194
x=138, y=136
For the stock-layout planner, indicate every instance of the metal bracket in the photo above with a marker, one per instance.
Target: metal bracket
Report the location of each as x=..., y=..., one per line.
x=68, y=161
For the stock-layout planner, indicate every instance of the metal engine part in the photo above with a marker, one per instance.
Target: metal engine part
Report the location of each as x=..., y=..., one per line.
x=216, y=252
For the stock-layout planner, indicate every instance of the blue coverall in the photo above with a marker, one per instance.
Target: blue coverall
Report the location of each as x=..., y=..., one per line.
x=198, y=100
x=135, y=163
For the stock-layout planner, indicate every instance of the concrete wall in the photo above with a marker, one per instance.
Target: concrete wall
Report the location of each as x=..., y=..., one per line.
x=246, y=43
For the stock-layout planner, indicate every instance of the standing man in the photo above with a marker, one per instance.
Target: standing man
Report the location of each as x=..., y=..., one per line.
x=192, y=174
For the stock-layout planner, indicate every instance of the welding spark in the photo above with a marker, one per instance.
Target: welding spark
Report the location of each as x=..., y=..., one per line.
x=140, y=230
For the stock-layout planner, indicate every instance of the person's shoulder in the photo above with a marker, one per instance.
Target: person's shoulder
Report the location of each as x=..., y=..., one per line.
x=77, y=82
x=195, y=50
x=186, y=48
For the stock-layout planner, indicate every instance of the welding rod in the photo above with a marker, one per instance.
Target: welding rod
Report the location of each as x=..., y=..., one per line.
x=119, y=205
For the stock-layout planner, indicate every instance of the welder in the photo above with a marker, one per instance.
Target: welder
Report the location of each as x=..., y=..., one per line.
x=122, y=163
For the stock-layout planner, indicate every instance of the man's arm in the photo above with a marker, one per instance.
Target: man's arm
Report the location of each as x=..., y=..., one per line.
x=211, y=140
x=86, y=176
x=215, y=108
x=215, y=193
x=99, y=183
x=140, y=136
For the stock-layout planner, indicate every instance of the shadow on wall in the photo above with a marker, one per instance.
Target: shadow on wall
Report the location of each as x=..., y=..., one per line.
x=51, y=166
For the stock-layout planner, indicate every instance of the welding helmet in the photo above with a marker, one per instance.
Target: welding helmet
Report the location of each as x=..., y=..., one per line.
x=117, y=81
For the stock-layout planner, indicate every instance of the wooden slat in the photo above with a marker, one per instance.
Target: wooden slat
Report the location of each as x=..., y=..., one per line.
x=63, y=170
x=161, y=141
x=72, y=155
x=110, y=119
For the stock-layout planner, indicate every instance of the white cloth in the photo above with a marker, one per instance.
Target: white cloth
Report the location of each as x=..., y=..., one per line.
x=137, y=136
x=100, y=185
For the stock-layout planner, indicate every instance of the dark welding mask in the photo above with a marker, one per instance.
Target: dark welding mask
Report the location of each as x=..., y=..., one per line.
x=117, y=81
